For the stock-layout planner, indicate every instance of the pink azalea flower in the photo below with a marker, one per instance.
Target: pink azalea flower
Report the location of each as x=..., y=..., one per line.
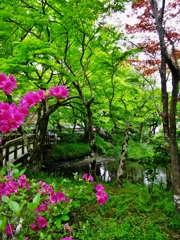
x=41, y=222
x=3, y=78
x=53, y=198
x=85, y=176
x=59, y=91
x=90, y=178
x=4, y=128
x=66, y=200
x=9, y=230
x=10, y=117
x=13, y=80
x=23, y=182
x=67, y=227
x=3, y=107
x=101, y=197
x=28, y=100
x=42, y=207
x=24, y=111
x=66, y=238
x=61, y=196
x=41, y=94
x=8, y=178
x=34, y=227
x=7, y=84
x=99, y=188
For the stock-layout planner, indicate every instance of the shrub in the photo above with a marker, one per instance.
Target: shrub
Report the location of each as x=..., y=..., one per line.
x=69, y=151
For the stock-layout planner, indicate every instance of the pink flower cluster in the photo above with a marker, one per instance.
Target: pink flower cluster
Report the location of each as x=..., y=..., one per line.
x=8, y=187
x=66, y=238
x=41, y=223
x=67, y=227
x=59, y=91
x=101, y=195
x=87, y=178
x=12, y=116
x=9, y=229
x=11, y=186
x=7, y=84
x=51, y=198
x=30, y=99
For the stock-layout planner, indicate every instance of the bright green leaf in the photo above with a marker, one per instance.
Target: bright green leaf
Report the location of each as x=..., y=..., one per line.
x=5, y=199
x=14, y=206
x=3, y=222
x=64, y=218
x=58, y=222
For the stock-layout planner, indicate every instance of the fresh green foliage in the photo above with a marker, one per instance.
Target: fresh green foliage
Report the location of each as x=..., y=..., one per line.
x=69, y=137
x=105, y=148
x=139, y=151
x=67, y=151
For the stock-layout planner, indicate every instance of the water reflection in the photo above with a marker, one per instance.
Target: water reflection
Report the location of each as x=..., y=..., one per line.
x=104, y=173
x=160, y=178
x=107, y=172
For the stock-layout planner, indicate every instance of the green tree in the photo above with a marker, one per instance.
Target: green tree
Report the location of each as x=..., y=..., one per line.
x=156, y=18
x=47, y=43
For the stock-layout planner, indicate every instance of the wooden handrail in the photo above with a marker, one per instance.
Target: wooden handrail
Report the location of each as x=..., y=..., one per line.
x=15, y=149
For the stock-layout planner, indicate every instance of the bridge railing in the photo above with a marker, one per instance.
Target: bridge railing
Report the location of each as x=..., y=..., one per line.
x=14, y=149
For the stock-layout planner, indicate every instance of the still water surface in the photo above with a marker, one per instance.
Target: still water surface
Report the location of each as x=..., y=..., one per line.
x=107, y=172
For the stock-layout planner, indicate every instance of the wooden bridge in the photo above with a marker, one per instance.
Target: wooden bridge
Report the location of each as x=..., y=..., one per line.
x=14, y=149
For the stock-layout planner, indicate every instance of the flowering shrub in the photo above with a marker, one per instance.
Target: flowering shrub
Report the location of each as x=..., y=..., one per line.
x=101, y=195
x=32, y=210
x=29, y=209
x=11, y=115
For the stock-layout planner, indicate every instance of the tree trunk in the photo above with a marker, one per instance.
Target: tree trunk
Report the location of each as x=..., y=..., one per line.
x=123, y=158
x=36, y=156
x=168, y=178
x=92, y=141
x=170, y=127
x=174, y=153
x=86, y=132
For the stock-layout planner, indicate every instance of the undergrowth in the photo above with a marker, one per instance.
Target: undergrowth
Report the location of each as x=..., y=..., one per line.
x=130, y=213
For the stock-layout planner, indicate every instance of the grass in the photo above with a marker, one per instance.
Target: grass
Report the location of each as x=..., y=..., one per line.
x=131, y=213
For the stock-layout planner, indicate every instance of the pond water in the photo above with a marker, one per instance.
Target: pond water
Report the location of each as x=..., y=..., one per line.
x=107, y=172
